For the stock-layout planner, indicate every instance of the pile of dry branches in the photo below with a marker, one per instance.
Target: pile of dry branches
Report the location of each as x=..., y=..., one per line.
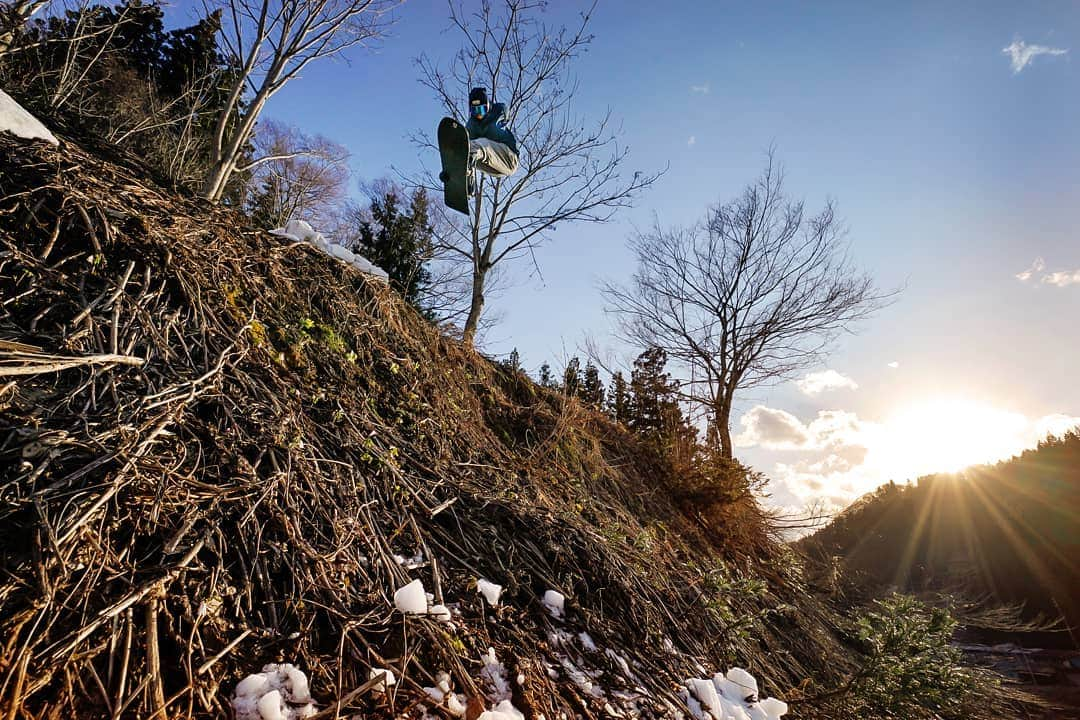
x=213, y=445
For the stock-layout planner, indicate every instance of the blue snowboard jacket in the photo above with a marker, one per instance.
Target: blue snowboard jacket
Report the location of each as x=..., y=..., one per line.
x=492, y=127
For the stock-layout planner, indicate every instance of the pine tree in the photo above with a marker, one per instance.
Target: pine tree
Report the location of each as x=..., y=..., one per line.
x=572, y=377
x=592, y=389
x=546, y=379
x=618, y=401
x=654, y=410
x=399, y=241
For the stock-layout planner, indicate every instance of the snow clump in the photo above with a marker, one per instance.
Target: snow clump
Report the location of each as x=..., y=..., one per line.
x=489, y=590
x=555, y=602
x=411, y=599
x=279, y=692
x=386, y=678
x=730, y=697
x=17, y=121
x=300, y=231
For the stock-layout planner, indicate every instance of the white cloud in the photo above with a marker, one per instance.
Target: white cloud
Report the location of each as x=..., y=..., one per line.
x=819, y=382
x=1021, y=54
x=894, y=364
x=1062, y=279
x=700, y=89
x=1055, y=424
x=1036, y=266
x=1058, y=278
x=772, y=429
x=691, y=141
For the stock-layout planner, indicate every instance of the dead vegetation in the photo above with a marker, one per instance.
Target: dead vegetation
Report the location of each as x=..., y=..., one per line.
x=213, y=444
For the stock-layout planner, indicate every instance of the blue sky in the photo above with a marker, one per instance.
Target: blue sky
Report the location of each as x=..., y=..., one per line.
x=952, y=171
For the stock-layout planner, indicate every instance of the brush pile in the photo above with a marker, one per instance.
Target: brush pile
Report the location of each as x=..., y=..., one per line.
x=222, y=456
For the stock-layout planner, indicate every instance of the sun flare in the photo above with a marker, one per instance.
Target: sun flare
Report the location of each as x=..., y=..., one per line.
x=945, y=434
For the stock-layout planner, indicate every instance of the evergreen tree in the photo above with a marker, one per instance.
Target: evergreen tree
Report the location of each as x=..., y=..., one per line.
x=618, y=400
x=399, y=241
x=512, y=362
x=546, y=379
x=572, y=377
x=654, y=410
x=592, y=388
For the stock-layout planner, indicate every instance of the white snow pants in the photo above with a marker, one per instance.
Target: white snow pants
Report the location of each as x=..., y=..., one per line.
x=493, y=158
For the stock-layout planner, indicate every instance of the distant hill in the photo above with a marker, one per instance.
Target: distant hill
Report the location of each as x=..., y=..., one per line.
x=1011, y=530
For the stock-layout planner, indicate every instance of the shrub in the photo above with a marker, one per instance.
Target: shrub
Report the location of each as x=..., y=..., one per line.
x=911, y=669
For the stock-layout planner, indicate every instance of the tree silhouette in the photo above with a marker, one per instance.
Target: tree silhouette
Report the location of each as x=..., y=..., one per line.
x=747, y=297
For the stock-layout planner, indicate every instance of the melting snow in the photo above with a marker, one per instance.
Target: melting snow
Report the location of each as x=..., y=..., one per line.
x=555, y=602
x=279, y=692
x=17, y=121
x=730, y=697
x=300, y=231
x=387, y=677
x=411, y=599
x=489, y=590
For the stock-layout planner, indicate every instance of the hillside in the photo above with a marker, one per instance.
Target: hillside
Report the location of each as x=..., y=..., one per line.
x=221, y=450
x=1009, y=532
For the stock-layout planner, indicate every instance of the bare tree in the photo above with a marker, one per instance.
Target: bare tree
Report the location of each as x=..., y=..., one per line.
x=745, y=298
x=13, y=16
x=271, y=42
x=306, y=178
x=570, y=171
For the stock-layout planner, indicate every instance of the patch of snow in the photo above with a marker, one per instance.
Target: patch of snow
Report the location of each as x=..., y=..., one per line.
x=387, y=677
x=730, y=697
x=456, y=704
x=279, y=692
x=559, y=638
x=737, y=685
x=440, y=612
x=416, y=561
x=17, y=121
x=411, y=599
x=495, y=672
x=555, y=602
x=301, y=231
x=489, y=590
x=621, y=662
x=772, y=707
x=505, y=710
x=581, y=678
x=587, y=642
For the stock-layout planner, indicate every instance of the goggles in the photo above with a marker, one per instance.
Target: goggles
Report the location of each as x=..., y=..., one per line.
x=478, y=111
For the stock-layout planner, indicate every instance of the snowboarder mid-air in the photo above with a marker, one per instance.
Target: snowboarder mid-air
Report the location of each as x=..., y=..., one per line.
x=485, y=144
x=492, y=147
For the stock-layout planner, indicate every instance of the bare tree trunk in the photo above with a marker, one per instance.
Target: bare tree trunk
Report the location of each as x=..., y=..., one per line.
x=476, y=307
x=722, y=423
x=227, y=159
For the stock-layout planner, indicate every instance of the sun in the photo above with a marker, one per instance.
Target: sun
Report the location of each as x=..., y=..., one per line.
x=946, y=434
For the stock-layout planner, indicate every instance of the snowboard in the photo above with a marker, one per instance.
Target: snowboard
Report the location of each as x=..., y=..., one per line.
x=454, y=150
